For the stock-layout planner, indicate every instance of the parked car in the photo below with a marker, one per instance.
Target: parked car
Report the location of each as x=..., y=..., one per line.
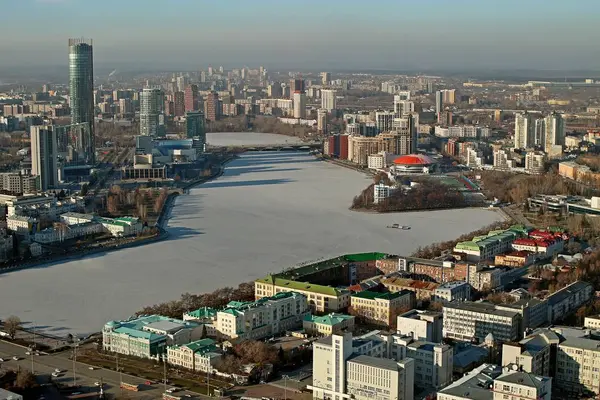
x=55, y=374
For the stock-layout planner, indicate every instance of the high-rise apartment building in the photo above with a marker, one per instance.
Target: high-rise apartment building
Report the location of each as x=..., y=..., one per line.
x=151, y=109
x=297, y=85
x=328, y=99
x=179, y=103
x=439, y=102
x=524, y=131
x=554, y=133
x=402, y=107
x=275, y=90
x=212, y=110
x=44, y=155
x=81, y=89
x=325, y=78
x=181, y=83
x=195, y=126
x=299, y=99
x=322, y=120
x=191, y=98
x=384, y=120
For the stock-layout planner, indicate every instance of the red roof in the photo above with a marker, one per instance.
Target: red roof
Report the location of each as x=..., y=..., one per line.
x=414, y=159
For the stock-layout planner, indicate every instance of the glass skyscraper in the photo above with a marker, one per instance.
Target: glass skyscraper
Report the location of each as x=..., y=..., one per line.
x=151, y=112
x=81, y=90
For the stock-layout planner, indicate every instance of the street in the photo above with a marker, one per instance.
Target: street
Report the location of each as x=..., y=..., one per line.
x=45, y=365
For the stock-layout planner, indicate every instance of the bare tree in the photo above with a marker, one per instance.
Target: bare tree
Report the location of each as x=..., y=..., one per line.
x=11, y=324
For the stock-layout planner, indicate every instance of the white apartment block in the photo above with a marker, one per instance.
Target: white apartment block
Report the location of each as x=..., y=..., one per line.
x=469, y=321
x=452, y=291
x=578, y=365
x=382, y=192
x=262, y=318
x=16, y=182
x=421, y=325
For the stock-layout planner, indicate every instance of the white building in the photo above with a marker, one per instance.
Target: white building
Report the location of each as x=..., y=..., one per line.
x=382, y=192
x=122, y=226
x=380, y=160
x=384, y=120
x=502, y=160
x=468, y=321
x=61, y=232
x=524, y=131
x=328, y=99
x=20, y=224
x=262, y=318
x=452, y=291
x=201, y=355
x=515, y=385
x=299, y=104
x=15, y=182
x=534, y=162
x=421, y=325
x=474, y=158
x=72, y=218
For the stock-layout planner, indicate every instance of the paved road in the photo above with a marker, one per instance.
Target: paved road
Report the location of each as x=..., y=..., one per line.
x=46, y=364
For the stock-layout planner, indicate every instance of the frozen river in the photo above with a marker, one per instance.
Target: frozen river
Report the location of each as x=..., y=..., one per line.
x=269, y=211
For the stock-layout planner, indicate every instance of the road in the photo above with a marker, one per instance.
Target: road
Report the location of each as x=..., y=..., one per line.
x=44, y=365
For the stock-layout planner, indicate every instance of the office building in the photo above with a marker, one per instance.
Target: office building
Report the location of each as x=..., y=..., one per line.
x=325, y=78
x=211, y=105
x=262, y=318
x=469, y=321
x=525, y=131
x=341, y=369
x=151, y=112
x=44, y=155
x=195, y=127
x=191, y=98
x=299, y=104
x=421, y=325
x=201, y=355
x=148, y=336
x=81, y=90
x=330, y=324
x=567, y=300
x=328, y=99
x=382, y=308
x=452, y=291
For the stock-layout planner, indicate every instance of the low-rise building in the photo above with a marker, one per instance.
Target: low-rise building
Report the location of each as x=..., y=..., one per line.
x=330, y=324
x=62, y=232
x=568, y=299
x=517, y=385
x=262, y=318
x=592, y=322
x=515, y=259
x=73, y=218
x=381, y=308
x=452, y=291
x=206, y=316
x=21, y=224
x=122, y=226
x=423, y=290
x=470, y=321
x=201, y=355
x=148, y=336
x=320, y=298
x=488, y=246
x=534, y=312
x=421, y=325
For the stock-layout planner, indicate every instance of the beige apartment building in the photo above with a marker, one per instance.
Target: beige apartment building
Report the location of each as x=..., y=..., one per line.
x=592, y=322
x=515, y=385
x=532, y=354
x=320, y=298
x=382, y=308
x=578, y=365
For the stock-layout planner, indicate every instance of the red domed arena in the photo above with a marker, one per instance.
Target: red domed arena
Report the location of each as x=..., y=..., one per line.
x=414, y=164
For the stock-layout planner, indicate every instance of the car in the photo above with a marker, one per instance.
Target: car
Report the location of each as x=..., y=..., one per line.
x=1, y=359
x=91, y=368
x=27, y=353
x=98, y=384
x=55, y=374
x=16, y=358
x=172, y=390
x=149, y=382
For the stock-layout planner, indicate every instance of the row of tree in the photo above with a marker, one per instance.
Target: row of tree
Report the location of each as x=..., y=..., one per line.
x=249, y=352
x=123, y=202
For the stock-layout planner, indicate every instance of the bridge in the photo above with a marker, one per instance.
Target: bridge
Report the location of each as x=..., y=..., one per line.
x=277, y=147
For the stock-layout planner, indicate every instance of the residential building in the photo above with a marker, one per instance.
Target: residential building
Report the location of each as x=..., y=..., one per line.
x=384, y=120
x=195, y=127
x=439, y=102
x=448, y=96
x=470, y=321
x=322, y=120
x=554, y=134
x=299, y=104
x=325, y=78
x=382, y=192
x=324, y=299
x=423, y=289
x=524, y=131
x=342, y=369
x=44, y=155
x=532, y=354
x=191, y=98
x=328, y=99
x=382, y=308
x=21, y=224
x=421, y=325
x=330, y=324
x=261, y=318
x=474, y=385
x=16, y=182
x=577, y=361
x=148, y=336
x=535, y=162
x=81, y=90
x=487, y=246
x=568, y=299
x=517, y=385
x=179, y=103
x=151, y=112
x=201, y=355
x=502, y=160
x=452, y=291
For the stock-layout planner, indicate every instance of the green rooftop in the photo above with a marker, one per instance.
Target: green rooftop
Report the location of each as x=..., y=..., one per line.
x=199, y=346
x=202, y=313
x=301, y=286
x=330, y=319
x=376, y=295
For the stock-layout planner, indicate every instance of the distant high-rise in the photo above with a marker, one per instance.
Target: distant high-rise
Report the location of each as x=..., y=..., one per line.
x=275, y=90
x=151, y=108
x=554, y=133
x=81, y=89
x=191, y=98
x=299, y=101
x=181, y=83
x=448, y=96
x=297, y=85
x=203, y=76
x=325, y=78
x=179, y=103
x=44, y=155
x=524, y=131
x=210, y=71
x=439, y=102
x=328, y=99
x=213, y=111
x=402, y=107
x=322, y=121
x=195, y=126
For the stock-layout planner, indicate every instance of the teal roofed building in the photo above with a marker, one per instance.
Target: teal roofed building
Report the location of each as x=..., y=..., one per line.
x=486, y=247
x=201, y=355
x=148, y=336
x=262, y=318
x=330, y=324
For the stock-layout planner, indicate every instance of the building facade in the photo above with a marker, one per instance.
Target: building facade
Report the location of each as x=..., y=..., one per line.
x=469, y=321
x=382, y=308
x=151, y=112
x=44, y=155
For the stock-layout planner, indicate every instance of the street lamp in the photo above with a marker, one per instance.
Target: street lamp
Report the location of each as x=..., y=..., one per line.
x=285, y=379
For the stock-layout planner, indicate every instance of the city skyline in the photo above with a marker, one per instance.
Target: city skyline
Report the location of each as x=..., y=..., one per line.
x=429, y=35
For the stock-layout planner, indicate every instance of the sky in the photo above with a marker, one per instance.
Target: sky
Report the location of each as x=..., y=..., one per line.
x=307, y=34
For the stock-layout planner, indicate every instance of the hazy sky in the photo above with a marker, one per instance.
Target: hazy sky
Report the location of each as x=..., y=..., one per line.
x=386, y=34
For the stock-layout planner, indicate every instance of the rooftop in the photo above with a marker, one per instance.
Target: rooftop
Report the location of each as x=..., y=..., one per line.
x=376, y=362
x=199, y=346
x=205, y=312
x=481, y=307
x=235, y=307
x=568, y=291
x=582, y=343
x=383, y=296
x=475, y=384
x=136, y=327
x=330, y=319
x=411, y=283
x=302, y=286
x=336, y=262
x=523, y=378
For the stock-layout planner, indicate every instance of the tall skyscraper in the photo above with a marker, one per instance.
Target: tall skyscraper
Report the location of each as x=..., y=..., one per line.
x=524, y=131
x=181, y=83
x=275, y=90
x=322, y=120
x=191, y=98
x=325, y=78
x=328, y=99
x=299, y=100
x=81, y=89
x=179, y=103
x=195, y=126
x=554, y=133
x=402, y=107
x=213, y=111
x=439, y=102
x=44, y=155
x=151, y=109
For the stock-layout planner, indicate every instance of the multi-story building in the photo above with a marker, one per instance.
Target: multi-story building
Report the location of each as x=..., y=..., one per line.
x=328, y=99
x=517, y=385
x=533, y=354
x=179, y=103
x=44, y=155
x=382, y=308
x=534, y=312
x=324, y=299
x=191, y=98
x=16, y=182
x=212, y=110
x=6, y=246
x=382, y=192
x=439, y=102
x=439, y=271
x=452, y=291
x=149, y=336
x=423, y=289
x=535, y=162
x=384, y=120
x=195, y=127
x=201, y=355
x=592, y=322
x=502, y=160
x=433, y=362
x=299, y=99
x=421, y=325
x=341, y=369
x=322, y=120
x=81, y=90
x=330, y=324
x=151, y=112
x=470, y=321
x=577, y=361
x=568, y=299
x=62, y=232
x=554, y=134
x=524, y=131
x=486, y=247
x=263, y=317
x=476, y=384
